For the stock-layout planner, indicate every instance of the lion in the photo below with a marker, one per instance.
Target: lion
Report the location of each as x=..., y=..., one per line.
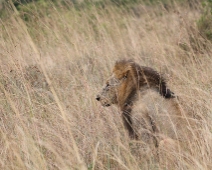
x=141, y=91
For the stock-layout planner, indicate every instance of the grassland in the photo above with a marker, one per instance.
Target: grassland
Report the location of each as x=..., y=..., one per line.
x=60, y=125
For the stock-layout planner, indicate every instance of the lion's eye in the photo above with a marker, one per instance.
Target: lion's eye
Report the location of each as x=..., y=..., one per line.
x=107, y=87
x=125, y=77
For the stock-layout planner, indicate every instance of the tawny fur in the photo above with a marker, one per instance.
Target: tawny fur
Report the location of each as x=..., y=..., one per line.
x=135, y=89
x=141, y=94
x=125, y=84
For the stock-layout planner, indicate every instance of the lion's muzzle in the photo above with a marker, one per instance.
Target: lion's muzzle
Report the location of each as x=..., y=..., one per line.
x=104, y=102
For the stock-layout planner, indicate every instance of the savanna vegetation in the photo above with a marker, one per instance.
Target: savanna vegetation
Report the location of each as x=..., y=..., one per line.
x=55, y=57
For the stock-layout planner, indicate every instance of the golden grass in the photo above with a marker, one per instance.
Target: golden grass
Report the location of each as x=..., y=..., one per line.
x=62, y=126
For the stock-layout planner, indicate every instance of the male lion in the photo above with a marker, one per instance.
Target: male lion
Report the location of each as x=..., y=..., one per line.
x=146, y=103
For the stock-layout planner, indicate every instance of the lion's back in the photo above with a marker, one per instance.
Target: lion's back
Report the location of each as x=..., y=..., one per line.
x=161, y=117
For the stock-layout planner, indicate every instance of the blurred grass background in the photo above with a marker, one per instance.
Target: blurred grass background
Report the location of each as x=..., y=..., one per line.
x=55, y=57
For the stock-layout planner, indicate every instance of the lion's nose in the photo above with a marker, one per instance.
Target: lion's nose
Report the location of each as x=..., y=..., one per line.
x=98, y=98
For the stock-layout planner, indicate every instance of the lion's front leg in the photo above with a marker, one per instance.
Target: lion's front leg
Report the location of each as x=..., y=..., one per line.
x=128, y=124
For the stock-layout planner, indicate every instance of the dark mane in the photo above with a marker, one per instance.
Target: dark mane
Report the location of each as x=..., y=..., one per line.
x=154, y=79
x=146, y=76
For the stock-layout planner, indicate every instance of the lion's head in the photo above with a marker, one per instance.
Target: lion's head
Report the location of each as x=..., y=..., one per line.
x=127, y=79
x=108, y=95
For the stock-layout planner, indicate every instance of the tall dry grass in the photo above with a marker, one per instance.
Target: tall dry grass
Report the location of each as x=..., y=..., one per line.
x=60, y=125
